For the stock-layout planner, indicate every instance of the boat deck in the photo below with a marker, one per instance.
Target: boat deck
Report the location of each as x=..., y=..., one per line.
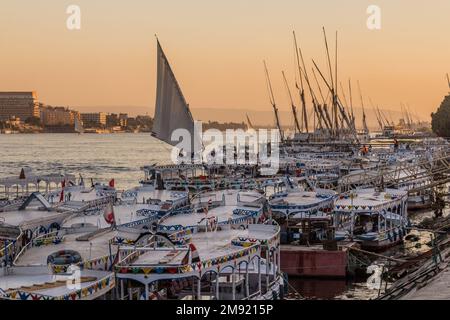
x=123, y=213
x=48, y=284
x=230, y=195
x=95, y=248
x=209, y=245
x=141, y=193
x=222, y=213
x=299, y=198
x=370, y=198
x=28, y=216
x=77, y=193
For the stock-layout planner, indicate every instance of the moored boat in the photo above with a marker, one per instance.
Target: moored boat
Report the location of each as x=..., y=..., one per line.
x=375, y=218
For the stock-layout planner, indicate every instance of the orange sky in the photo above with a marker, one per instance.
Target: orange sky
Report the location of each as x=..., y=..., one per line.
x=216, y=49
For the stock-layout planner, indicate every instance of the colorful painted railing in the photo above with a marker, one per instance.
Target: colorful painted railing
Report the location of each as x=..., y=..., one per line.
x=139, y=222
x=180, y=236
x=47, y=240
x=51, y=238
x=231, y=221
x=123, y=267
x=107, y=282
x=248, y=242
x=101, y=264
x=12, y=248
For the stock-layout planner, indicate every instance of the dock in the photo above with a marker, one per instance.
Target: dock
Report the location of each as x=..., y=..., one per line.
x=430, y=281
x=437, y=289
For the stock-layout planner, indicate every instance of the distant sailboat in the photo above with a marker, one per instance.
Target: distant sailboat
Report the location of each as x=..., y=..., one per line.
x=249, y=123
x=171, y=110
x=78, y=126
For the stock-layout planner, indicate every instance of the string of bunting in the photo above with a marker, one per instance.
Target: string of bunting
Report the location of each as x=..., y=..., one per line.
x=385, y=206
x=101, y=264
x=104, y=283
x=198, y=266
x=48, y=241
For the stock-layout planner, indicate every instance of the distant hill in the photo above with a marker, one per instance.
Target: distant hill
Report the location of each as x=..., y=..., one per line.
x=131, y=110
x=266, y=117
x=258, y=118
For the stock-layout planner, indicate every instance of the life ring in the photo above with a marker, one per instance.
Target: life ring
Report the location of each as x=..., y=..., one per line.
x=54, y=225
x=64, y=257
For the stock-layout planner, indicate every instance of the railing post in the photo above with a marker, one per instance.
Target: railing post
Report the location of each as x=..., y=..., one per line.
x=259, y=273
x=218, y=285
x=146, y=291
x=233, y=277
x=199, y=288
x=247, y=285
x=122, y=289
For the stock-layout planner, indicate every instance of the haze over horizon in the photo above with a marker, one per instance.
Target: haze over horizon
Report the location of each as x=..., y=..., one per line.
x=216, y=51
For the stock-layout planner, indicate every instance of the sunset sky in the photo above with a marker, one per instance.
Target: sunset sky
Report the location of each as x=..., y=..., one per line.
x=216, y=49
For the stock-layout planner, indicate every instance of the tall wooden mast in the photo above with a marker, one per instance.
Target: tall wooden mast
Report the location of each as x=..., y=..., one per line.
x=301, y=89
x=365, y=128
x=332, y=88
x=351, y=102
x=272, y=101
x=313, y=97
x=448, y=81
x=294, y=108
x=323, y=112
x=338, y=103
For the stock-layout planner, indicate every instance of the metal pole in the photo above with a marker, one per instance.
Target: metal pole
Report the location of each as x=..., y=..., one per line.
x=233, y=277
x=267, y=268
x=247, y=287
x=199, y=288
x=217, y=285
x=259, y=274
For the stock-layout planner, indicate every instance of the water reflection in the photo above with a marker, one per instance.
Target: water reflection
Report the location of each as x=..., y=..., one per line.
x=329, y=289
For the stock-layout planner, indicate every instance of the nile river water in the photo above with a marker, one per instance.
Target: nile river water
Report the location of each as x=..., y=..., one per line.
x=98, y=156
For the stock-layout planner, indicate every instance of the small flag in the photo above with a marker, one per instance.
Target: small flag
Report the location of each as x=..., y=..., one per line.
x=22, y=174
x=109, y=214
x=193, y=253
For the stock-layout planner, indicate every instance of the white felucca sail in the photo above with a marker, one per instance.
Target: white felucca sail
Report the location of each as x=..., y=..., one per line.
x=171, y=110
x=78, y=126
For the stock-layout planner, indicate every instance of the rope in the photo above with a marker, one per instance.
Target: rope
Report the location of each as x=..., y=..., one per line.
x=292, y=287
x=361, y=262
x=377, y=255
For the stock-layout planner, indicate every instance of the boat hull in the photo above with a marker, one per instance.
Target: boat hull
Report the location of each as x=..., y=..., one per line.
x=302, y=261
x=379, y=245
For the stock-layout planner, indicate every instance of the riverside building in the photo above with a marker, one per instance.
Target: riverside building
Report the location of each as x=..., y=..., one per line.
x=22, y=105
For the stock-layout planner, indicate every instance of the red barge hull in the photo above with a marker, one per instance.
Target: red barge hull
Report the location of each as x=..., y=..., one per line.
x=314, y=261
